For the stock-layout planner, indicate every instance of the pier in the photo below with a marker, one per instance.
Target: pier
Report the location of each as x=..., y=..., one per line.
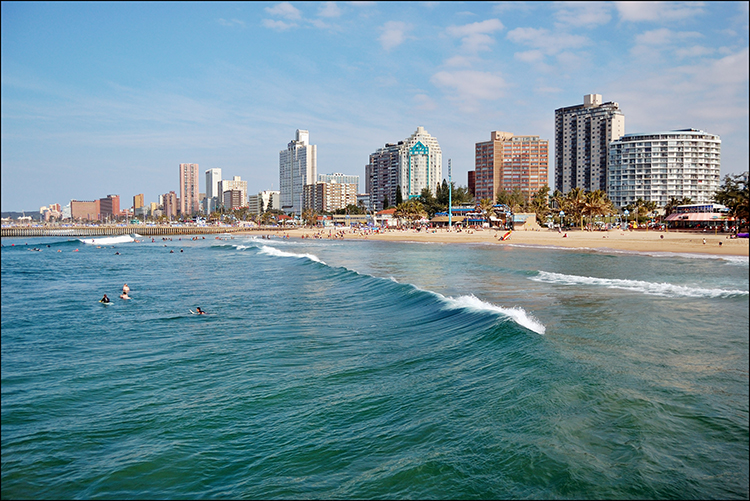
x=114, y=230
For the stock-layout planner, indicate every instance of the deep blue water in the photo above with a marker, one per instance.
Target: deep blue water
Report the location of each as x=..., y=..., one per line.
x=365, y=369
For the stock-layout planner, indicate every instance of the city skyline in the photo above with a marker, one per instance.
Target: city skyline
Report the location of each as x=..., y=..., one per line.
x=109, y=98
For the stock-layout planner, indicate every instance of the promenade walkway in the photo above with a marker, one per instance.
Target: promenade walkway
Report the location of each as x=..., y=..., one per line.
x=113, y=230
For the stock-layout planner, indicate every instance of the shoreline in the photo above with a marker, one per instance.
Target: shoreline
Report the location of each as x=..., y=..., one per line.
x=616, y=240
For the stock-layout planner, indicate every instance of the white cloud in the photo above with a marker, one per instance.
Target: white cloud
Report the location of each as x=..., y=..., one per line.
x=530, y=56
x=545, y=41
x=583, y=13
x=286, y=10
x=329, y=9
x=657, y=11
x=476, y=36
x=277, y=25
x=469, y=87
x=394, y=34
x=457, y=61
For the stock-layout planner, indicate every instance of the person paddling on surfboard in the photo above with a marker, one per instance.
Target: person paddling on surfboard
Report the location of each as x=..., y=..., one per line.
x=199, y=311
x=105, y=299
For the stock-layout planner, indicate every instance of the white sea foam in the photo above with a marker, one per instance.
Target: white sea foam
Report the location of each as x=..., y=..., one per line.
x=273, y=251
x=519, y=315
x=660, y=289
x=120, y=239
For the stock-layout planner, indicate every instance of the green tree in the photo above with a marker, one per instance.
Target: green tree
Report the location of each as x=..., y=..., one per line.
x=411, y=210
x=461, y=194
x=310, y=217
x=576, y=203
x=597, y=204
x=487, y=208
x=399, y=197
x=733, y=193
x=430, y=203
x=540, y=204
x=385, y=202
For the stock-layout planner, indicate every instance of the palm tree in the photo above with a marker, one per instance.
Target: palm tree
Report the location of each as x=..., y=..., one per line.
x=310, y=217
x=597, y=204
x=486, y=207
x=411, y=210
x=576, y=199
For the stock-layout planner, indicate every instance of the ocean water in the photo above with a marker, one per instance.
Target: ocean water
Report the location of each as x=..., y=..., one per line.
x=373, y=370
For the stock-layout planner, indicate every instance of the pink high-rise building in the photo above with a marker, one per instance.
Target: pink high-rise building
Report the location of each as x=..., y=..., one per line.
x=507, y=162
x=189, y=189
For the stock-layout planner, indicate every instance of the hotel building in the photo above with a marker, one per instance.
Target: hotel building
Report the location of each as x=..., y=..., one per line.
x=507, y=162
x=413, y=164
x=661, y=165
x=263, y=201
x=298, y=166
x=235, y=184
x=381, y=176
x=582, y=137
x=213, y=190
x=109, y=208
x=330, y=196
x=189, y=203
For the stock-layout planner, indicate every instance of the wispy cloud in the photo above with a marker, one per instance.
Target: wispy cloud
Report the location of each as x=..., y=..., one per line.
x=587, y=14
x=476, y=36
x=278, y=25
x=394, y=34
x=285, y=10
x=329, y=9
x=658, y=11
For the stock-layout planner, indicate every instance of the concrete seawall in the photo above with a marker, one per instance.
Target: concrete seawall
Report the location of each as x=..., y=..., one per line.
x=95, y=231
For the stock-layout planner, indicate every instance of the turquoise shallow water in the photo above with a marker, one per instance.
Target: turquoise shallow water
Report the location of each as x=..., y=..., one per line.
x=363, y=369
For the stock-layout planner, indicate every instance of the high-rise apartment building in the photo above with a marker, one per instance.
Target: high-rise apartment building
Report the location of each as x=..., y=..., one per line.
x=507, y=162
x=339, y=178
x=421, y=164
x=582, y=137
x=298, y=166
x=660, y=165
x=84, y=210
x=329, y=197
x=213, y=190
x=235, y=184
x=169, y=204
x=381, y=176
x=413, y=164
x=264, y=201
x=109, y=208
x=189, y=189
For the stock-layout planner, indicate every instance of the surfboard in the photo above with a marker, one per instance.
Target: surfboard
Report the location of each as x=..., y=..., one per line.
x=110, y=302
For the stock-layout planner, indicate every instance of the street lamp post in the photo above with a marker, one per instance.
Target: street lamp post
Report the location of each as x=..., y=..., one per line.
x=450, y=197
x=627, y=213
x=562, y=215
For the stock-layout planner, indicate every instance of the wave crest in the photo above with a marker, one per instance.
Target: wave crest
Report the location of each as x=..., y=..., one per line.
x=653, y=288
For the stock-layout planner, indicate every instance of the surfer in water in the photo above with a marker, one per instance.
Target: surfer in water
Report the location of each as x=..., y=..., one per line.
x=125, y=289
x=124, y=295
x=199, y=311
x=105, y=299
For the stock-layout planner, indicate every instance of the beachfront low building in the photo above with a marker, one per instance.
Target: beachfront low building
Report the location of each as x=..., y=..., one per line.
x=659, y=166
x=700, y=216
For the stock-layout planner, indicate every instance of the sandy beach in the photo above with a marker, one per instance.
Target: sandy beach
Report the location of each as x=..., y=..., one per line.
x=635, y=241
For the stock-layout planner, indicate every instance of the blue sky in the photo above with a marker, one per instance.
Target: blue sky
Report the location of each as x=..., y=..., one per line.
x=108, y=98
